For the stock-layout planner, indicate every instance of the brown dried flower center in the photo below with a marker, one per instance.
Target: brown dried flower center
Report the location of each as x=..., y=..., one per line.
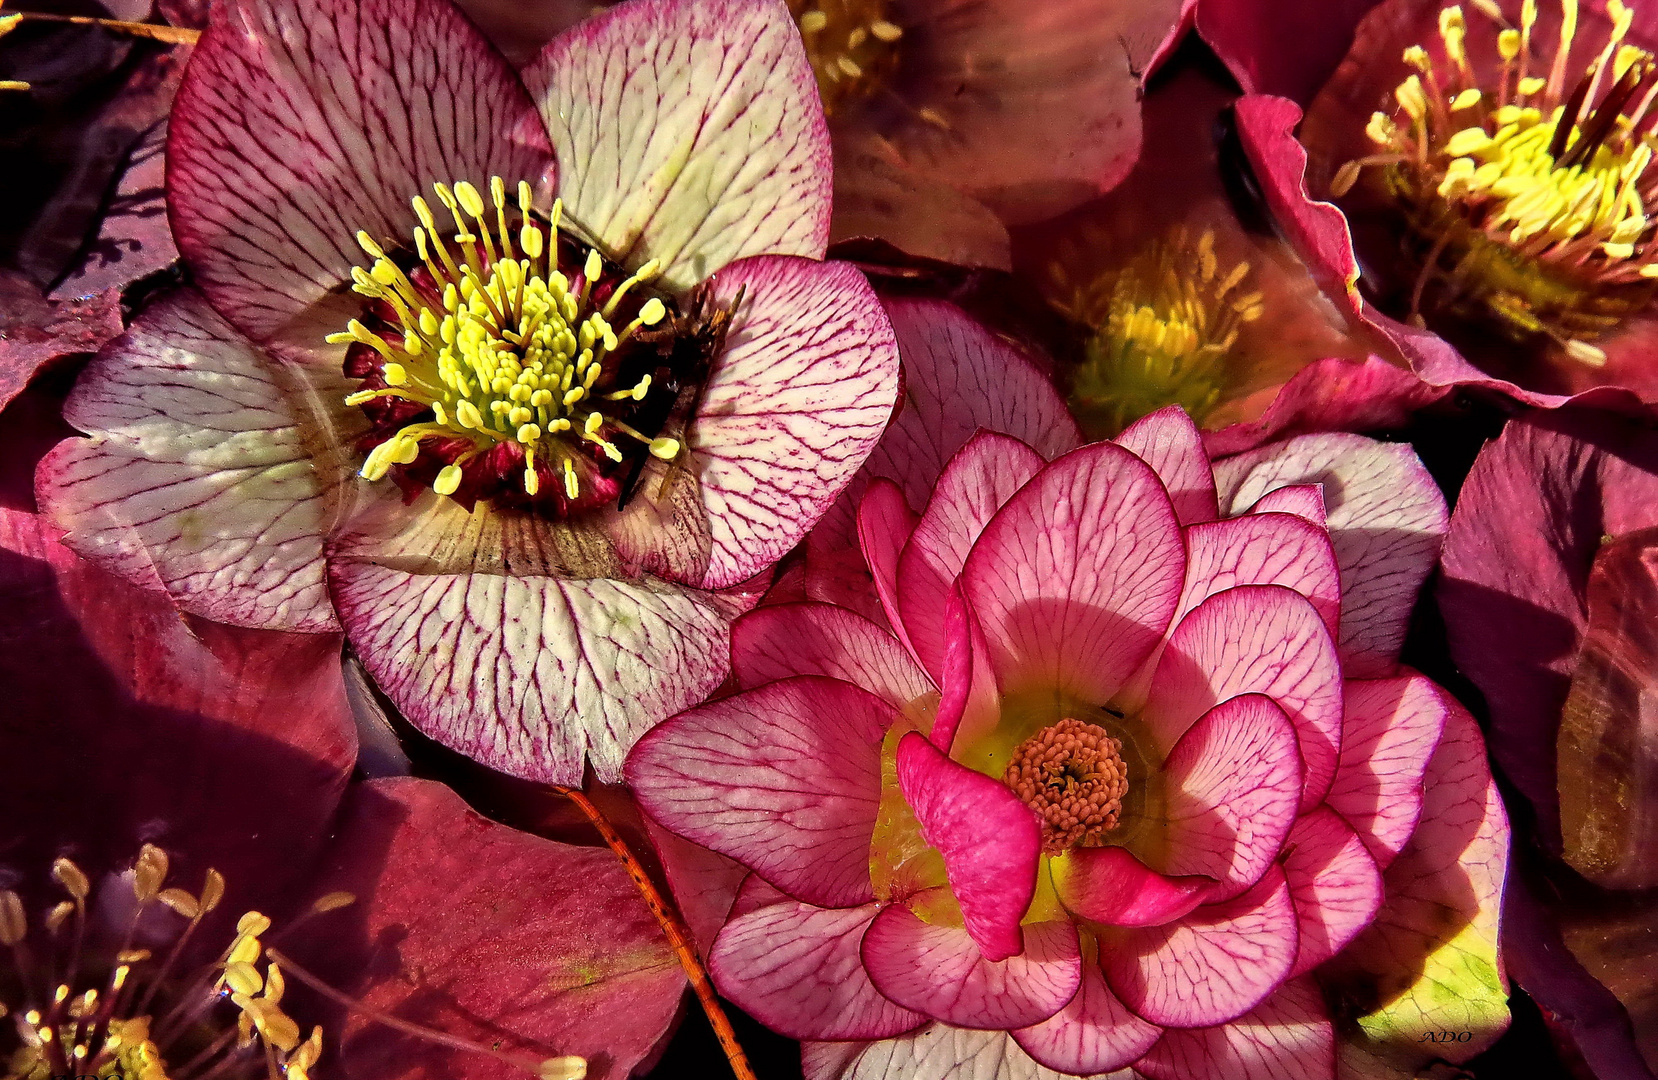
x=1073, y=775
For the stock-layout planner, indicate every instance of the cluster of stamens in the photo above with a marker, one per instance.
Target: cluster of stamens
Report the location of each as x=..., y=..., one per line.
x=851, y=44
x=1073, y=775
x=1161, y=328
x=494, y=359
x=1525, y=190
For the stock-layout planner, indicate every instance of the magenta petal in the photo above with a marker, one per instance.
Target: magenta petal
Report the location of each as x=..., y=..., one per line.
x=1234, y=782
x=1214, y=965
x=1108, y=885
x=978, y=480
x=1075, y=579
x=885, y=523
x=969, y=707
x=796, y=968
x=704, y=883
x=1255, y=639
x=300, y=122
x=1334, y=882
x=1168, y=441
x=990, y=841
x=792, y=407
x=938, y=970
x=1303, y=500
x=1388, y=737
x=1093, y=1033
x=1287, y=1037
x=786, y=779
x=1262, y=549
x=809, y=638
x=689, y=131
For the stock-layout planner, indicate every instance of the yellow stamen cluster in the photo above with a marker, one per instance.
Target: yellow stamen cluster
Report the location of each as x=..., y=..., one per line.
x=1163, y=327
x=1528, y=191
x=504, y=347
x=852, y=45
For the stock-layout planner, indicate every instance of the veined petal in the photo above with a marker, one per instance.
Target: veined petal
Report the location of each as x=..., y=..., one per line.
x=969, y=706
x=1168, y=441
x=796, y=969
x=1109, y=886
x=936, y=1052
x=786, y=779
x=938, y=970
x=1289, y=1035
x=1388, y=737
x=990, y=841
x=809, y=638
x=1386, y=519
x=1262, y=549
x=1075, y=579
x=197, y=477
x=300, y=122
x=1093, y=1033
x=1334, y=882
x=1302, y=500
x=688, y=131
x=1212, y=966
x=793, y=406
x=885, y=524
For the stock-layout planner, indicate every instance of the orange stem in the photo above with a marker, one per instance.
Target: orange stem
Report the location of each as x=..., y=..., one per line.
x=172, y=35
x=679, y=936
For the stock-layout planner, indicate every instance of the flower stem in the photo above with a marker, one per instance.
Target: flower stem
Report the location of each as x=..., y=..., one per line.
x=172, y=35
x=679, y=936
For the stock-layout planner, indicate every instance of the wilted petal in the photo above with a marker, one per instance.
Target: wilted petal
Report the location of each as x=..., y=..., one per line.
x=1093, y=1033
x=1388, y=736
x=35, y=333
x=1109, y=886
x=1386, y=518
x=1075, y=579
x=688, y=131
x=990, y=841
x=786, y=779
x=302, y=121
x=938, y=970
x=1255, y=639
x=796, y=969
x=1214, y=965
x=1168, y=441
x=1287, y=1035
x=1334, y=882
x=809, y=638
x=795, y=403
x=198, y=477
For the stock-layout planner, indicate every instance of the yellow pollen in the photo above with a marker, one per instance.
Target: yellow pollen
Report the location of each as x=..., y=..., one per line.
x=853, y=47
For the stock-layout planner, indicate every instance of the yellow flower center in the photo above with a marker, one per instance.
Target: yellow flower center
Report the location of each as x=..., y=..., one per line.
x=1160, y=331
x=852, y=45
x=492, y=345
x=1525, y=191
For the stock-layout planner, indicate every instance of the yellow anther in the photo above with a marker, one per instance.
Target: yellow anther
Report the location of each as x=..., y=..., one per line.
x=1452, y=30
x=886, y=31
x=653, y=311
x=592, y=268
x=1467, y=141
x=849, y=67
x=1465, y=100
x=1411, y=98
x=395, y=374
x=593, y=423
x=243, y=978
x=366, y=242
x=571, y=488
x=1508, y=43
x=529, y=433
x=1417, y=57
x=1529, y=85
x=665, y=448
x=811, y=22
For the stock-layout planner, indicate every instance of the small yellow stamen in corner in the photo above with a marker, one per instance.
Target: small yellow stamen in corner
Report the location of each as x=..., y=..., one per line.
x=665, y=448
x=591, y=269
x=886, y=31
x=813, y=21
x=1465, y=100
x=564, y=1068
x=571, y=488
x=448, y=480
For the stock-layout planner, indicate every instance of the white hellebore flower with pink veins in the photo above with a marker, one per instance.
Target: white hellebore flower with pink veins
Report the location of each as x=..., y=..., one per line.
x=596, y=377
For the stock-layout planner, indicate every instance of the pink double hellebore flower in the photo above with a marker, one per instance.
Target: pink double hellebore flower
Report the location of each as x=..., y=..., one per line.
x=1102, y=798
x=603, y=414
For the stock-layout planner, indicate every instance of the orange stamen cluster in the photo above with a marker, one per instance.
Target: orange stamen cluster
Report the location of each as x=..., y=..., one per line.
x=1073, y=775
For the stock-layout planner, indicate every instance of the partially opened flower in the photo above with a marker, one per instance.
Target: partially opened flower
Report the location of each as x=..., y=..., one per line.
x=1491, y=168
x=193, y=887
x=1102, y=798
x=582, y=423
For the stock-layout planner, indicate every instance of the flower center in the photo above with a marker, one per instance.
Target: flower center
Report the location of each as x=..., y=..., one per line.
x=1160, y=331
x=521, y=373
x=1524, y=190
x=851, y=44
x=1073, y=775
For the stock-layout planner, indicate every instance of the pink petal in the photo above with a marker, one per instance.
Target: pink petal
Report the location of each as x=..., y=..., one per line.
x=302, y=121
x=977, y=482
x=885, y=524
x=840, y=576
x=796, y=969
x=689, y=131
x=1234, y=782
x=1388, y=736
x=1287, y=1037
x=198, y=476
x=793, y=406
x=1168, y=441
x=512, y=664
x=1334, y=882
x=1262, y=549
x=1255, y=639
x=939, y=971
x=990, y=841
x=786, y=779
x=1386, y=521
x=36, y=333
x=1093, y=1033
x=1302, y=500
x=936, y=1052
x=772, y=643
x=1108, y=885
x=969, y=707
x=1214, y=965
x=1075, y=579
x=704, y=883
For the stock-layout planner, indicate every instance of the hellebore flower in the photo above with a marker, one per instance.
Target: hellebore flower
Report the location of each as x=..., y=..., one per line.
x=950, y=120
x=1550, y=595
x=1103, y=797
x=582, y=424
x=216, y=764
x=1492, y=169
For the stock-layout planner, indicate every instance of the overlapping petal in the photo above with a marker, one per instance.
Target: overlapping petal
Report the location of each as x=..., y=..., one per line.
x=1093, y=1033
x=810, y=638
x=1388, y=736
x=1334, y=882
x=1287, y=1035
x=1169, y=442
